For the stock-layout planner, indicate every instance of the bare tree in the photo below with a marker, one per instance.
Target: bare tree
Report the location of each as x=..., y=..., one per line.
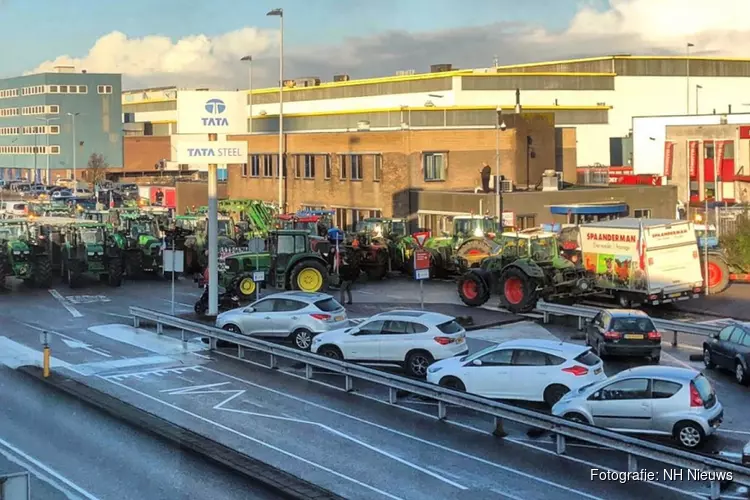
x=97, y=168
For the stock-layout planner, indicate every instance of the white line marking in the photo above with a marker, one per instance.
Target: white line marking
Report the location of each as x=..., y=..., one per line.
x=399, y=297
x=182, y=304
x=444, y=472
x=125, y=316
x=80, y=344
x=188, y=389
x=675, y=360
x=43, y=472
x=363, y=292
x=342, y=435
x=733, y=431
x=404, y=434
x=63, y=302
x=202, y=356
x=256, y=441
x=506, y=494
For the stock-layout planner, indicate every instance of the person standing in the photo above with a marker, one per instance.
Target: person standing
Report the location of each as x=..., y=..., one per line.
x=349, y=274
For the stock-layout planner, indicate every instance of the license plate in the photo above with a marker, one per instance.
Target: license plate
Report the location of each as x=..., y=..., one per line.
x=597, y=371
x=339, y=318
x=634, y=336
x=674, y=295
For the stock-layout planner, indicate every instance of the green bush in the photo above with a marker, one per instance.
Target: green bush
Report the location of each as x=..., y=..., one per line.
x=737, y=245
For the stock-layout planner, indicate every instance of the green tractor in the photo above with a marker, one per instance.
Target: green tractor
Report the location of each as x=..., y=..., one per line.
x=384, y=246
x=21, y=256
x=89, y=247
x=289, y=264
x=142, y=253
x=528, y=266
x=470, y=243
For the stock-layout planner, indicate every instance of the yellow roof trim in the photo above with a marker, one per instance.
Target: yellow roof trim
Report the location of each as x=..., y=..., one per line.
x=366, y=81
x=146, y=101
x=692, y=58
x=561, y=61
x=162, y=122
x=509, y=107
x=544, y=73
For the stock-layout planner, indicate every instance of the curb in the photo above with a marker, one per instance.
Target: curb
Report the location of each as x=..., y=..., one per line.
x=268, y=477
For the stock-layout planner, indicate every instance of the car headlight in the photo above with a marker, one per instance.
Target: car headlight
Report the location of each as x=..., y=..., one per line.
x=16, y=252
x=26, y=252
x=92, y=253
x=434, y=369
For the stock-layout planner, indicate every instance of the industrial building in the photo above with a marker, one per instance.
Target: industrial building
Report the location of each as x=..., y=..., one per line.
x=597, y=96
x=48, y=119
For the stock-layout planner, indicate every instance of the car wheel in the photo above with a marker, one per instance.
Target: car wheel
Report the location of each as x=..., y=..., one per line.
x=554, y=393
x=689, y=434
x=331, y=352
x=740, y=374
x=302, y=339
x=417, y=363
x=707, y=361
x=232, y=329
x=655, y=359
x=453, y=383
x=576, y=417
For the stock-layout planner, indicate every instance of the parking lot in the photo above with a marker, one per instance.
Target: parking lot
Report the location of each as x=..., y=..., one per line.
x=356, y=444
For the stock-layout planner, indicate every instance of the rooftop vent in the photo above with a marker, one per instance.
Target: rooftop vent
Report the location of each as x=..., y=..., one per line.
x=65, y=69
x=441, y=68
x=308, y=81
x=405, y=72
x=550, y=181
x=341, y=78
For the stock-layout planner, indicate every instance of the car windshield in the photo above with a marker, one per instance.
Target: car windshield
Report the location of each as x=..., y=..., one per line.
x=477, y=226
x=92, y=235
x=187, y=224
x=398, y=228
x=635, y=325
x=543, y=248
x=372, y=227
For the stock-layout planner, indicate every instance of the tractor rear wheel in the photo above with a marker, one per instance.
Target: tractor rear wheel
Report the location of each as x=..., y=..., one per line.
x=3, y=273
x=133, y=264
x=718, y=275
x=519, y=294
x=308, y=276
x=114, y=276
x=42, y=273
x=472, y=289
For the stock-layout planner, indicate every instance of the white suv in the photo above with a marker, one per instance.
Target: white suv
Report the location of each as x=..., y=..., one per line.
x=410, y=339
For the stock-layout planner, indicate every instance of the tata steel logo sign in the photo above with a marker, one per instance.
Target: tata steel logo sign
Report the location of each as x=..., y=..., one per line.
x=215, y=108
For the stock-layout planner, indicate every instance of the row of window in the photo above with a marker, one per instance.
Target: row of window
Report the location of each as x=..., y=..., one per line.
x=40, y=110
x=53, y=89
x=29, y=150
x=8, y=93
x=31, y=130
x=307, y=166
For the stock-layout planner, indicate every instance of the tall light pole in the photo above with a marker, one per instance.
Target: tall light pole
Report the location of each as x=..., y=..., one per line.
x=280, y=14
x=499, y=126
x=697, y=95
x=46, y=131
x=249, y=61
x=75, y=147
x=687, y=74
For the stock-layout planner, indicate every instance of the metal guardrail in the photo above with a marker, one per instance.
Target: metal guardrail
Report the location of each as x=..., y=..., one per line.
x=634, y=448
x=664, y=325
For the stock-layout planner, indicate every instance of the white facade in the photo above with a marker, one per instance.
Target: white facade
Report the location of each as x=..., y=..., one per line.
x=633, y=96
x=650, y=134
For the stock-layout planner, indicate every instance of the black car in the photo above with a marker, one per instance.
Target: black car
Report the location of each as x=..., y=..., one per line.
x=624, y=332
x=730, y=349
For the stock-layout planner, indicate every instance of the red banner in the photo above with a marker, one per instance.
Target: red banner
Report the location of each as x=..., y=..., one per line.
x=632, y=180
x=668, y=158
x=744, y=131
x=719, y=155
x=693, y=158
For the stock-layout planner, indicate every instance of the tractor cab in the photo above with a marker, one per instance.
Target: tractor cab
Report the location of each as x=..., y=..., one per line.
x=21, y=255
x=142, y=243
x=533, y=244
x=90, y=248
x=706, y=235
x=473, y=226
x=294, y=265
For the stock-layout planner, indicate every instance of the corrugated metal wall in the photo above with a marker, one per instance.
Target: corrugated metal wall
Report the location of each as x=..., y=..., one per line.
x=542, y=82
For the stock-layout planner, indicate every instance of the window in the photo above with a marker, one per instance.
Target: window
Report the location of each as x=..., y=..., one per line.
x=264, y=305
x=308, y=166
x=344, y=166
x=642, y=213
x=267, y=166
x=553, y=360
x=328, y=305
x=588, y=358
x=708, y=150
x=502, y=357
x=254, y=166
x=635, y=325
x=736, y=334
x=63, y=89
x=746, y=340
x=729, y=150
x=726, y=333
x=300, y=244
x=327, y=168
x=284, y=305
x=377, y=167
x=663, y=389
x=53, y=109
x=83, y=89
x=244, y=170
x=54, y=129
x=372, y=328
x=104, y=89
x=55, y=150
x=527, y=357
x=449, y=327
x=433, y=165
x=634, y=388
x=54, y=89
x=526, y=221
x=392, y=327
x=355, y=167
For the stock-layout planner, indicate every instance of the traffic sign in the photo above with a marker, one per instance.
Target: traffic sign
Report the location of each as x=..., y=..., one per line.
x=420, y=237
x=422, y=274
x=259, y=276
x=421, y=260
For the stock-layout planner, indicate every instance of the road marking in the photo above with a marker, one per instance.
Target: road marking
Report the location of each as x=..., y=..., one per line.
x=43, y=472
x=733, y=431
x=678, y=361
x=87, y=299
x=506, y=494
x=88, y=369
x=181, y=304
x=182, y=390
x=70, y=341
x=63, y=302
x=146, y=340
x=254, y=440
x=158, y=371
x=14, y=354
x=363, y=292
x=398, y=297
x=407, y=435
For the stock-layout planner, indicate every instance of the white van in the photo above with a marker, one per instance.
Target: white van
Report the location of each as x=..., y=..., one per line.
x=14, y=208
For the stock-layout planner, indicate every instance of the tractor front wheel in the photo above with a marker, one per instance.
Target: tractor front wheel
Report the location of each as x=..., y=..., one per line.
x=42, y=273
x=519, y=294
x=308, y=276
x=718, y=275
x=472, y=290
x=114, y=277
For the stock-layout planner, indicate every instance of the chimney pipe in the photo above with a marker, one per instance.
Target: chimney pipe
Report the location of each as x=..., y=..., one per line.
x=518, y=100
x=730, y=109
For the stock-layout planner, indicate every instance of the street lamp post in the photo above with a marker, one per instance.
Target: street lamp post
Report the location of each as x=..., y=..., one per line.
x=280, y=14
x=687, y=75
x=249, y=61
x=499, y=126
x=75, y=165
x=697, y=95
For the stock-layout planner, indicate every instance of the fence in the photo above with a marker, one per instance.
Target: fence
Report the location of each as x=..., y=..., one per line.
x=725, y=219
x=634, y=448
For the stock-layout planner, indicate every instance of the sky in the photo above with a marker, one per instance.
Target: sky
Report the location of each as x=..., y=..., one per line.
x=191, y=43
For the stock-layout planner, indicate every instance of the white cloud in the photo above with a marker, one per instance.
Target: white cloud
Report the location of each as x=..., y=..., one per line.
x=718, y=27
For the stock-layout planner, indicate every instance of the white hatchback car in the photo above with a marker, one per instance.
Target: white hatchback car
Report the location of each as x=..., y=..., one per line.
x=525, y=369
x=409, y=339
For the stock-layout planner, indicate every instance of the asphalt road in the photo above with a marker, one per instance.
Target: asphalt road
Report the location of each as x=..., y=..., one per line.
x=356, y=444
